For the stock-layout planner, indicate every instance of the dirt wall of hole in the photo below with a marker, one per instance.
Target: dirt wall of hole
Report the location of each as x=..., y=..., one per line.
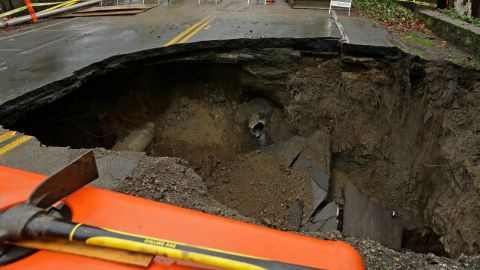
x=404, y=131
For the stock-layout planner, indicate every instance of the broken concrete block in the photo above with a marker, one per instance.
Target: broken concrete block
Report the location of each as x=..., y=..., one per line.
x=326, y=219
x=315, y=227
x=330, y=224
x=364, y=219
x=323, y=225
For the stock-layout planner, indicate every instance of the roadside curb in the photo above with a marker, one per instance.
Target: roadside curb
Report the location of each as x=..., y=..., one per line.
x=455, y=31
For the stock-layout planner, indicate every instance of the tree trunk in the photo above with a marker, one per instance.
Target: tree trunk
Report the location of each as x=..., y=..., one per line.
x=476, y=8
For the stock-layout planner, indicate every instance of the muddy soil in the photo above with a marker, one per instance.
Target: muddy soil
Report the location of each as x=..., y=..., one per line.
x=212, y=134
x=403, y=130
x=261, y=186
x=173, y=181
x=197, y=130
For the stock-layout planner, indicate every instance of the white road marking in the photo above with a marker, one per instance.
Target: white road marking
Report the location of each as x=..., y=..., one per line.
x=36, y=29
x=43, y=45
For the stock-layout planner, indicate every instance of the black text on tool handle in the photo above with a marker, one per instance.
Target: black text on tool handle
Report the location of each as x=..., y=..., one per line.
x=96, y=236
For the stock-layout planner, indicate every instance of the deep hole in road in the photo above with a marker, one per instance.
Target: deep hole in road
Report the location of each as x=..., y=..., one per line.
x=403, y=130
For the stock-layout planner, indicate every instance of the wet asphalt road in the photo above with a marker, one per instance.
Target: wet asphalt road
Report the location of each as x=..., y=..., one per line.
x=35, y=55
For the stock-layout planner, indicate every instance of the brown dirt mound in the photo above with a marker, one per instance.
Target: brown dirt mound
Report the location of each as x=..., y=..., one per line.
x=261, y=186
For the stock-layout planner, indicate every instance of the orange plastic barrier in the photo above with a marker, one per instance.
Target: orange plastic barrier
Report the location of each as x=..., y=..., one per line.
x=141, y=216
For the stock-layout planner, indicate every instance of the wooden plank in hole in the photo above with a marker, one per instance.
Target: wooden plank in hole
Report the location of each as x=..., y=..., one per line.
x=365, y=219
x=77, y=248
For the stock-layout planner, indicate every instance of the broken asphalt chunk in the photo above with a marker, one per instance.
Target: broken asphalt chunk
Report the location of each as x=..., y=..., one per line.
x=330, y=210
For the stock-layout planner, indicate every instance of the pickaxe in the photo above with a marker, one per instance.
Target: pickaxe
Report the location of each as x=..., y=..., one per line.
x=31, y=220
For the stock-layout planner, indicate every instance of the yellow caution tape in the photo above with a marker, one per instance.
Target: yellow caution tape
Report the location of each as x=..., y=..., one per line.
x=73, y=3
x=64, y=4
x=13, y=11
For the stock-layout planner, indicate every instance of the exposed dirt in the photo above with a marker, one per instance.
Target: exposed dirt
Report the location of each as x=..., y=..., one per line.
x=173, y=181
x=197, y=130
x=212, y=134
x=402, y=129
x=261, y=186
x=210, y=128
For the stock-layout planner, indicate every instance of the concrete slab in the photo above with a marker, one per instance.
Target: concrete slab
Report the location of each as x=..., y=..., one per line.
x=330, y=210
x=323, y=225
x=365, y=32
x=34, y=157
x=326, y=219
x=115, y=167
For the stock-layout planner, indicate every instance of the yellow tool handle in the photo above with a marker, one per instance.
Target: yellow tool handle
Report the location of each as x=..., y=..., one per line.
x=109, y=238
x=172, y=253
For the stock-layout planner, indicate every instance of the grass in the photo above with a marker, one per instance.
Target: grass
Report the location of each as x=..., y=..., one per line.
x=418, y=39
x=456, y=15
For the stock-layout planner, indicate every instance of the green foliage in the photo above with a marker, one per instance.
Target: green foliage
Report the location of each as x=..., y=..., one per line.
x=418, y=39
x=456, y=15
x=385, y=10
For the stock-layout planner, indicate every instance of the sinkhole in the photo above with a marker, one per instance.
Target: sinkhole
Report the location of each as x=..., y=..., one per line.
x=403, y=130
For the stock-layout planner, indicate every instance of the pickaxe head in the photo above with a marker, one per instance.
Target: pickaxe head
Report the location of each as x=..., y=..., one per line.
x=64, y=182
